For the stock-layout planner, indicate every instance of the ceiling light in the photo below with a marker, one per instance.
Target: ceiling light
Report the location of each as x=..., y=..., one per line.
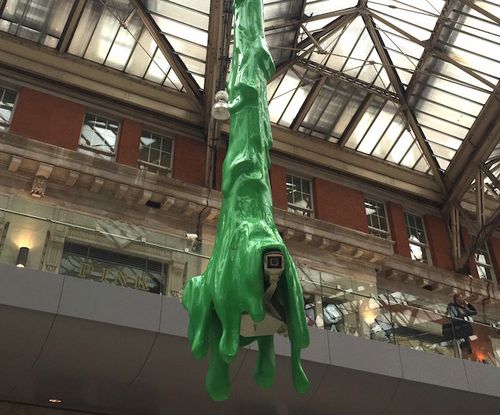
x=220, y=110
x=55, y=400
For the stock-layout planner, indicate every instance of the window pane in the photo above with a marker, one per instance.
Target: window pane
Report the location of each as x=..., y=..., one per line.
x=299, y=195
x=155, y=153
x=98, y=136
x=483, y=262
x=377, y=222
x=7, y=100
x=416, y=237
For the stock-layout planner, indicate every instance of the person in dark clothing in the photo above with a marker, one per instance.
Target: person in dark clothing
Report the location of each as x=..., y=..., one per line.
x=460, y=312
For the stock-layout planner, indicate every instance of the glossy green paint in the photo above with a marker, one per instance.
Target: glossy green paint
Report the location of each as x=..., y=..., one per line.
x=232, y=283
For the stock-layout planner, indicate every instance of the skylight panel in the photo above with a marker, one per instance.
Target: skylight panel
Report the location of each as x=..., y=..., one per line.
x=284, y=93
x=401, y=147
x=113, y=35
x=41, y=21
x=318, y=7
x=378, y=128
x=417, y=17
x=185, y=26
x=369, y=117
x=389, y=137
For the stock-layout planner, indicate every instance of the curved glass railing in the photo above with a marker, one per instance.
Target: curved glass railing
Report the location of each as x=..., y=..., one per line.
x=383, y=317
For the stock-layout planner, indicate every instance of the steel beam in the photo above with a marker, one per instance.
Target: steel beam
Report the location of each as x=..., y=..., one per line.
x=480, y=141
x=27, y=63
x=308, y=103
x=168, y=51
x=432, y=52
x=328, y=29
x=71, y=25
x=331, y=73
x=484, y=12
x=430, y=44
x=283, y=23
x=219, y=38
x=322, y=154
x=484, y=232
x=400, y=92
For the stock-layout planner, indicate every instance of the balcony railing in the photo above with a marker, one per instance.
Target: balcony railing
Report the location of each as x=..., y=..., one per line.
x=385, y=318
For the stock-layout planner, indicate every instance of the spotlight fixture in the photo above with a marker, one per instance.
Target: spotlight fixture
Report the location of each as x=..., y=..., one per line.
x=22, y=257
x=219, y=110
x=55, y=400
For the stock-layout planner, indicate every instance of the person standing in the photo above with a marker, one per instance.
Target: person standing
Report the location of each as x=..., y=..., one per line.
x=460, y=312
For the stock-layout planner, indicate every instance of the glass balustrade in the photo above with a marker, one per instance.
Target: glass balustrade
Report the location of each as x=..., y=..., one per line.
x=385, y=318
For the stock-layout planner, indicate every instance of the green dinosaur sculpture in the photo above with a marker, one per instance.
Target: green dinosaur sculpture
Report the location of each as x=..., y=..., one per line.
x=233, y=282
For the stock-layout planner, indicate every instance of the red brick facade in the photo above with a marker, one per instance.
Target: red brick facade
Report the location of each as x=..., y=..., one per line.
x=278, y=186
x=398, y=229
x=439, y=242
x=58, y=122
x=341, y=205
x=48, y=118
x=128, y=143
x=189, y=160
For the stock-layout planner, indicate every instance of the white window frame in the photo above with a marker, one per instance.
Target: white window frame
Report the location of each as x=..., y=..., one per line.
x=157, y=168
x=423, y=246
x=298, y=210
x=488, y=265
x=376, y=231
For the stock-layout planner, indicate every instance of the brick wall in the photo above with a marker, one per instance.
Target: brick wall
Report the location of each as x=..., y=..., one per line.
x=439, y=242
x=128, y=142
x=48, y=118
x=278, y=186
x=399, y=232
x=339, y=204
x=189, y=160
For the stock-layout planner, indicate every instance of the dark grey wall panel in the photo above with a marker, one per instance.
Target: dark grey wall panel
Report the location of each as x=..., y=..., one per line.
x=26, y=288
x=119, y=351
x=433, y=369
x=110, y=304
x=22, y=335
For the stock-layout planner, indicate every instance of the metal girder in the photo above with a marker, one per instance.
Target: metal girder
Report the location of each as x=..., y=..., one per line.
x=168, y=51
x=306, y=150
x=429, y=45
x=328, y=29
x=309, y=101
x=434, y=52
x=70, y=28
x=332, y=73
x=491, y=176
x=484, y=232
x=400, y=92
x=297, y=30
x=480, y=141
x=219, y=38
x=355, y=120
x=282, y=23
x=484, y=12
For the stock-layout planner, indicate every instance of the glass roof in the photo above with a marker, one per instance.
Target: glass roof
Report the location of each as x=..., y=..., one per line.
x=184, y=23
x=384, y=78
x=41, y=21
